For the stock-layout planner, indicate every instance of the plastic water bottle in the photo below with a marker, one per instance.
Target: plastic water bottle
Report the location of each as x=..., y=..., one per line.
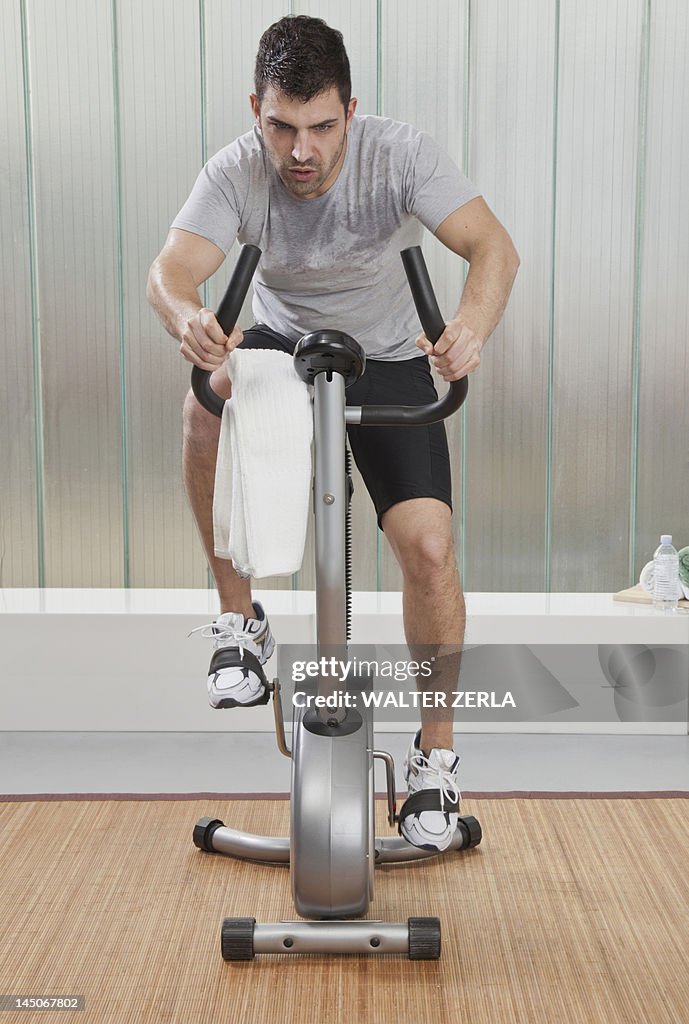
x=665, y=576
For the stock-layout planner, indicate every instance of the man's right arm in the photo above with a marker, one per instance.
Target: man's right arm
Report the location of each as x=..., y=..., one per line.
x=185, y=262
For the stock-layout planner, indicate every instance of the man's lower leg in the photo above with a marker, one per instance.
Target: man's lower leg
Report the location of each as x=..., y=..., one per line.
x=199, y=454
x=434, y=624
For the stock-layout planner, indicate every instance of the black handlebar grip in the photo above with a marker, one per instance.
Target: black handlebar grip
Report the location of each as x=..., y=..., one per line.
x=422, y=293
x=227, y=316
x=232, y=301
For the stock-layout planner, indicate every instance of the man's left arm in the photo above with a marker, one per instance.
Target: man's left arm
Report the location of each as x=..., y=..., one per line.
x=474, y=233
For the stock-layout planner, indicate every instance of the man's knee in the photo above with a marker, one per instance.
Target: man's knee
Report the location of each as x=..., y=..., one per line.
x=429, y=557
x=422, y=542
x=196, y=419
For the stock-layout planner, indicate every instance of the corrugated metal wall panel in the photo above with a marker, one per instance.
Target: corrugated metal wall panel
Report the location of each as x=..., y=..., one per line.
x=594, y=288
x=74, y=149
x=160, y=154
x=663, y=439
x=20, y=528
x=512, y=106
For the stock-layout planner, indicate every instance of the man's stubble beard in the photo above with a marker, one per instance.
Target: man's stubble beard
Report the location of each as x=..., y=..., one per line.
x=306, y=188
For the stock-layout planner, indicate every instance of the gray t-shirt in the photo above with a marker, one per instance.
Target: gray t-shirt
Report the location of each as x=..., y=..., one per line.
x=333, y=261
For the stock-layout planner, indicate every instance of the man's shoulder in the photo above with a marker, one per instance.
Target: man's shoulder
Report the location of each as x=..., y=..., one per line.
x=245, y=155
x=385, y=133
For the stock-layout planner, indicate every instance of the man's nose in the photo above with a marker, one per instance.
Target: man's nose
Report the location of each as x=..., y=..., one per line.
x=302, y=150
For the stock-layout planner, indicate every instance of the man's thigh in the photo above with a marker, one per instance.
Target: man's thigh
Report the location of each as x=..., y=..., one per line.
x=400, y=463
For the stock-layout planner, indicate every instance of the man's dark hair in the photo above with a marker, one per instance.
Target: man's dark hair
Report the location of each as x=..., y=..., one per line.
x=302, y=57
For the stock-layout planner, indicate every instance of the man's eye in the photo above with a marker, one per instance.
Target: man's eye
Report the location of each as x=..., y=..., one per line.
x=323, y=127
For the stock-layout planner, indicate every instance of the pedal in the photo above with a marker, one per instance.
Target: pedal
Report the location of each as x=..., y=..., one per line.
x=274, y=687
x=389, y=763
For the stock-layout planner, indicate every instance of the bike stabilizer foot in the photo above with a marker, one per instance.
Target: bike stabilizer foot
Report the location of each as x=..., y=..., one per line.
x=241, y=938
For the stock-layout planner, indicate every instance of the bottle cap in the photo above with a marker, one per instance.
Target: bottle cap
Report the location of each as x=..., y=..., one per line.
x=666, y=538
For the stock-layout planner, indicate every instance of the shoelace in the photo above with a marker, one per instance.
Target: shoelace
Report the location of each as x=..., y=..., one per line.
x=449, y=789
x=223, y=631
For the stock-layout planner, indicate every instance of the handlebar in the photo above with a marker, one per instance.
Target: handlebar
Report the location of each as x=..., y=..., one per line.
x=429, y=315
x=227, y=316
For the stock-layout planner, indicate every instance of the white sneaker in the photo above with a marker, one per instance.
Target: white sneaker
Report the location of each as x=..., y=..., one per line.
x=242, y=647
x=428, y=818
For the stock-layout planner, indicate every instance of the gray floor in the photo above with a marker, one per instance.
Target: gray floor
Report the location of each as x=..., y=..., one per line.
x=60, y=762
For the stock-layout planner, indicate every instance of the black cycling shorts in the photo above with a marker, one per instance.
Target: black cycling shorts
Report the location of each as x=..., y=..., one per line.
x=396, y=463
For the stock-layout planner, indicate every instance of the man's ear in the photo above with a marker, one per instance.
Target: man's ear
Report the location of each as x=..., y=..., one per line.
x=350, y=111
x=256, y=108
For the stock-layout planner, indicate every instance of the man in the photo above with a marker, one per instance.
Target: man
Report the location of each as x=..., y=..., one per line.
x=331, y=199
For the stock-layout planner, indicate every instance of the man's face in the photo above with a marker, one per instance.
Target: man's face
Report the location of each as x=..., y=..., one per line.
x=305, y=142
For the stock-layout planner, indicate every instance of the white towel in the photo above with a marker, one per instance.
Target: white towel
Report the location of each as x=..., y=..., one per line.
x=263, y=471
x=646, y=577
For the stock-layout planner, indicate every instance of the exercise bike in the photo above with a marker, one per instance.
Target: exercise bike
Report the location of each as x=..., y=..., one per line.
x=332, y=849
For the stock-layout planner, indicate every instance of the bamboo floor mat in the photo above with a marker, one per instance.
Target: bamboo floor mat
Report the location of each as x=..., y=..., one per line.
x=572, y=910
